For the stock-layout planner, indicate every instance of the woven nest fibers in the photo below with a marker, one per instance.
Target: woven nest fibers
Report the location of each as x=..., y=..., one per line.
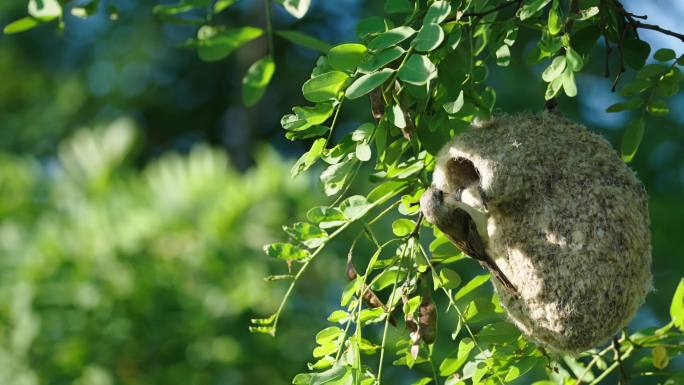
x=566, y=221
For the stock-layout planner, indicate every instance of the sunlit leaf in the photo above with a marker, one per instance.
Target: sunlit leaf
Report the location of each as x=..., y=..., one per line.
x=256, y=80
x=21, y=25
x=402, y=227
x=391, y=38
x=555, y=69
x=215, y=45
x=309, y=157
x=455, y=360
x=677, y=306
x=296, y=8
x=471, y=285
x=286, y=251
x=632, y=138
x=367, y=83
x=324, y=87
x=438, y=11
x=346, y=57
x=429, y=37
x=417, y=70
x=531, y=8
x=373, y=61
x=355, y=207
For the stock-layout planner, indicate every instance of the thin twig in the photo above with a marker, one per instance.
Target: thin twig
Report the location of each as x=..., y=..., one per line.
x=638, y=24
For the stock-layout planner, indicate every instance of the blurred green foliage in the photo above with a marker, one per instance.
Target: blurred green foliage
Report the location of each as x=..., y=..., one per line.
x=115, y=276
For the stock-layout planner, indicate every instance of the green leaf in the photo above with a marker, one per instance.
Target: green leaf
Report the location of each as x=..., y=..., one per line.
x=454, y=38
x=308, y=158
x=339, y=316
x=355, y=207
x=457, y=358
x=403, y=227
x=221, y=5
x=296, y=8
x=305, y=117
x=677, y=306
x=368, y=83
x=438, y=12
x=422, y=381
x=325, y=349
x=630, y=105
x=449, y=279
x=473, y=284
x=214, y=45
x=531, y=8
x=635, y=52
x=521, y=367
x=180, y=7
x=553, y=88
x=555, y=69
x=21, y=25
x=554, y=22
x=386, y=190
x=634, y=87
x=398, y=6
x=326, y=217
x=346, y=57
x=335, y=176
x=387, y=277
x=632, y=138
x=503, y=56
x=370, y=26
x=584, y=39
x=304, y=40
x=256, y=80
x=498, y=332
x=586, y=14
x=309, y=235
x=574, y=59
x=363, y=133
x=651, y=70
x=397, y=116
x=455, y=106
x=417, y=70
x=286, y=251
x=391, y=38
x=324, y=86
x=664, y=54
x=328, y=334
x=668, y=84
x=373, y=61
x=429, y=37
x=657, y=107
x=569, y=85
x=363, y=151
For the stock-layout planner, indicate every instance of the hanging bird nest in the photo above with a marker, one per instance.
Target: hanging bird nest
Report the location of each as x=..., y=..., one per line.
x=566, y=220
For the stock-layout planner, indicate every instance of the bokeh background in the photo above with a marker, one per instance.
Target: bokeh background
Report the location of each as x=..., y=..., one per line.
x=136, y=192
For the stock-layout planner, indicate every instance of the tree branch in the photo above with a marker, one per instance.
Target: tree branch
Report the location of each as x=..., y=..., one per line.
x=636, y=24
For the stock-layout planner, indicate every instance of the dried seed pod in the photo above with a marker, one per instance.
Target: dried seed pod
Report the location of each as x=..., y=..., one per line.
x=565, y=220
x=369, y=297
x=427, y=318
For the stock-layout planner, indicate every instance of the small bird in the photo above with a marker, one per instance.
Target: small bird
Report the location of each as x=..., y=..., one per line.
x=462, y=223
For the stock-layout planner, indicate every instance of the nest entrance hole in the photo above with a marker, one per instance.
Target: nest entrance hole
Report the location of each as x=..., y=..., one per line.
x=462, y=172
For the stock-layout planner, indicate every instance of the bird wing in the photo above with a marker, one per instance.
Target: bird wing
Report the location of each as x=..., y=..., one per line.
x=472, y=245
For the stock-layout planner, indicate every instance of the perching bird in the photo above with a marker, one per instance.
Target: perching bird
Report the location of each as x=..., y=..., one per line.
x=462, y=223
